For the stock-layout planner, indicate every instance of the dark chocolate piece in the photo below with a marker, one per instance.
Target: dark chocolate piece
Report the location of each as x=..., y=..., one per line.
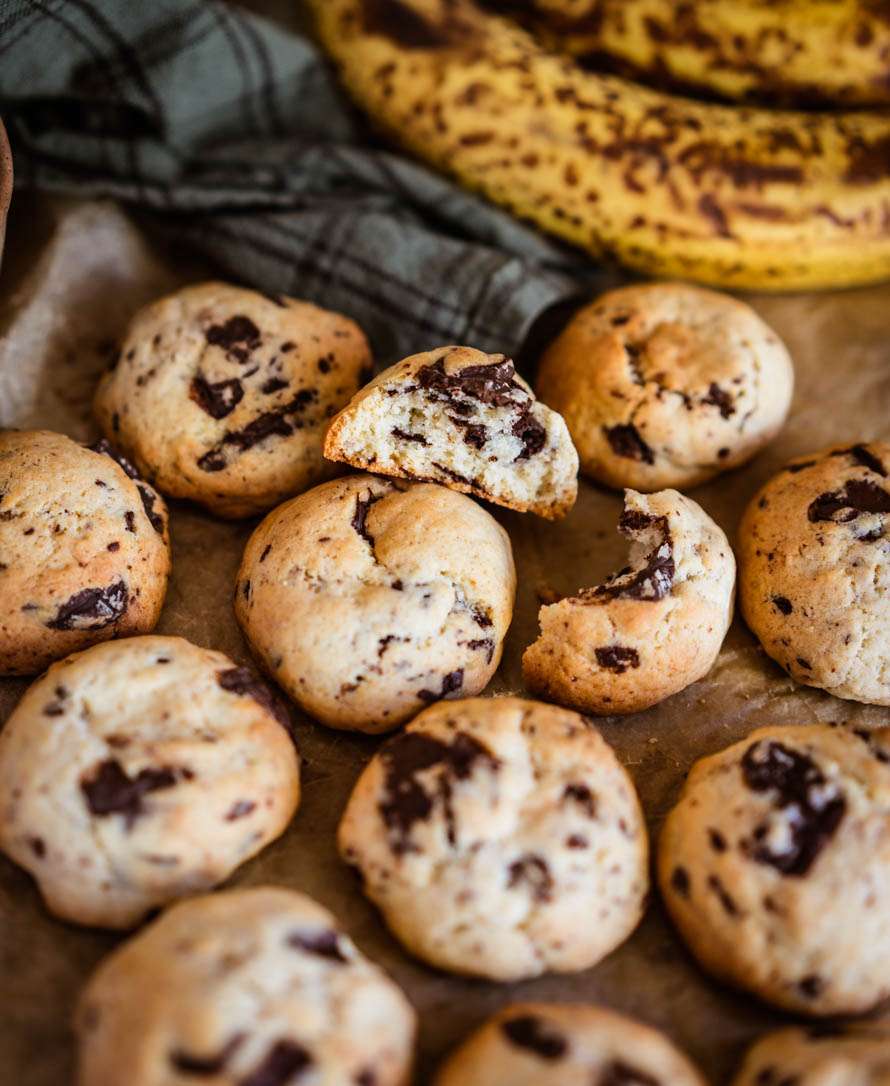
x=535, y=1034
x=491, y=384
x=243, y=681
x=218, y=399
x=841, y=506
x=284, y=1064
x=581, y=794
x=618, y=1073
x=783, y=604
x=92, y=608
x=454, y=680
x=531, y=433
x=534, y=871
x=236, y=330
x=326, y=944
x=111, y=791
x=206, y=1065
x=625, y=441
x=655, y=580
x=617, y=658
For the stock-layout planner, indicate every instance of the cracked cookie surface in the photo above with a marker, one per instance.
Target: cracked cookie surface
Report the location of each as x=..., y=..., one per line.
x=84, y=549
x=255, y=987
x=465, y=419
x=561, y=1044
x=649, y=630
x=140, y=771
x=775, y=866
x=814, y=570
x=500, y=837
x=221, y=394
x=852, y=1054
x=367, y=598
x=666, y=385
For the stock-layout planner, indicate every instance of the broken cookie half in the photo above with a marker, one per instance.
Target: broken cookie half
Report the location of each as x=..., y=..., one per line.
x=466, y=419
x=649, y=630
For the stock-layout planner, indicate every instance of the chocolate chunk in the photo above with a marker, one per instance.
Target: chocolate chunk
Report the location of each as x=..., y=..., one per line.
x=454, y=475
x=265, y=553
x=531, y=433
x=275, y=299
x=617, y=658
x=360, y=516
x=535, y=1034
x=266, y=425
x=534, y=871
x=811, y=986
x=454, y=680
x=243, y=681
x=858, y=496
x=655, y=580
x=218, y=399
x=214, y=460
x=37, y=846
x=626, y=441
x=366, y=1077
x=581, y=794
x=283, y=1065
x=274, y=384
x=871, y=742
x=719, y=397
x=805, y=663
x=206, y=1065
x=680, y=881
x=130, y=521
x=92, y=608
x=405, y=800
x=491, y=384
x=793, y=469
x=325, y=944
x=486, y=643
x=618, y=1073
x=720, y=890
x=404, y=436
x=718, y=841
x=236, y=330
x=783, y=604
x=475, y=434
x=481, y=618
x=107, y=449
x=868, y=460
x=814, y=806
x=111, y=791
x=240, y=809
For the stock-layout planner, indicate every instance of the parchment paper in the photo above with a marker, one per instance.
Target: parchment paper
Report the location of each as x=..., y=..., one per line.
x=73, y=276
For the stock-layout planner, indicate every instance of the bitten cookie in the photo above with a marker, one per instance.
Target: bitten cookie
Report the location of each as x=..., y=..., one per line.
x=368, y=598
x=466, y=419
x=857, y=1054
x=652, y=628
x=814, y=572
x=221, y=394
x=562, y=1044
x=141, y=771
x=500, y=838
x=775, y=866
x=255, y=987
x=84, y=551
x=666, y=384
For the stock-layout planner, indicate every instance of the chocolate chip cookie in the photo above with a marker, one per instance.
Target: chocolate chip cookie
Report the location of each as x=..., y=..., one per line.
x=255, y=987
x=222, y=395
x=775, y=866
x=814, y=571
x=501, y=838
x=855, y=1054
x=562, y=1044
x=141, y=771
x=652, y=628
x=368, y=598
x=84, y=550
x=666, y=384
x=465, y=419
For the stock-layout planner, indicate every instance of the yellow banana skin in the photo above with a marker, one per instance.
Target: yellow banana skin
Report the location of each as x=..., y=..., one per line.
x=731, y=196
x=808, y=53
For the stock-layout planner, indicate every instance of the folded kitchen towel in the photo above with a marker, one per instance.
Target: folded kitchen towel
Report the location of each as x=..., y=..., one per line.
x=229, y=133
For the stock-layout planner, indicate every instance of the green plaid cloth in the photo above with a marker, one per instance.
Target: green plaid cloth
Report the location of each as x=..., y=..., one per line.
x=231, y=135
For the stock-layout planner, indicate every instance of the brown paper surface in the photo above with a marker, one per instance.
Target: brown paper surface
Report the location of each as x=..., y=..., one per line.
x=74, y=274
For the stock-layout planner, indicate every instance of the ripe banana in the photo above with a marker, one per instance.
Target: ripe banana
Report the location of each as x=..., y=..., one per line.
x=732, y=196
x=809, y=53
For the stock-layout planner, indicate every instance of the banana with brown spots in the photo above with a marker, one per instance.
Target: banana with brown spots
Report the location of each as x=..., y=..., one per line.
x=732, y=196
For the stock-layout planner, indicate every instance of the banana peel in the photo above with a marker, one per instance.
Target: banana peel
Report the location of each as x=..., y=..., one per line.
x=806, y=53
x=732, y=196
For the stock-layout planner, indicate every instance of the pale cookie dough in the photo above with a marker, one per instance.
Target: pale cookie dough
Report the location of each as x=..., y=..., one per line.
x=221, y=394
x=667, y=385
x=562, y=1044
x=814, y=570
x=500, y=838
x=255, y=987
x=84, y=550
x=368, y=598
x=775, y=866
x=856, y=1054
x=141, y=771
x=466, y=419
x=649, y=630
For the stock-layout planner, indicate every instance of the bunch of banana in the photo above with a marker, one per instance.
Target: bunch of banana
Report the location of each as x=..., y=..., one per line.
x=733, y=196
x=808, y=53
